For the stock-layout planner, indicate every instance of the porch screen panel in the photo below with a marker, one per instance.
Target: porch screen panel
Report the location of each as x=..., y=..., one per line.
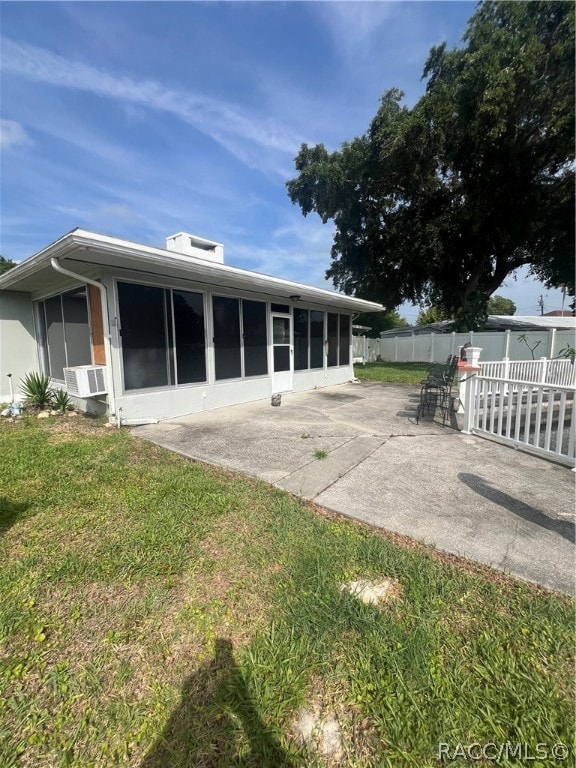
x=300, y=339
x=226, y=314
x=190, y=336
x=143, y=334
x=281, y=359
x=332, y=339
x=316, y=339
x=55, y=337
x=76, y=330
x=255, y=338
x=344, y=339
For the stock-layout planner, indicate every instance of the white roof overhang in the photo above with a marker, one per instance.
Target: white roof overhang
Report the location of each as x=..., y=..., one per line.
x=87, y=253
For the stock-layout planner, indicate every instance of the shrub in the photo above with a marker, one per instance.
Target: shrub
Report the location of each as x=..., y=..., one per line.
x=36, y=389
x=61, y=400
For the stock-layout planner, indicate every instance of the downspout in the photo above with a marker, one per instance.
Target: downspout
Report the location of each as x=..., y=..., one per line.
x=107, y=337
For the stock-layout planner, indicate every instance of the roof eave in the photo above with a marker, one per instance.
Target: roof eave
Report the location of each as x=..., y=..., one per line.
x=82, y=239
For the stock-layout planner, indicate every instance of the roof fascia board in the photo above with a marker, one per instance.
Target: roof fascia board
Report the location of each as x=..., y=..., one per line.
x=82, y=239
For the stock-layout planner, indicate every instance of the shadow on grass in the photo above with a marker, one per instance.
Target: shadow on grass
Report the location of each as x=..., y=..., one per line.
x=478, y=484
x=10, y=512
x=206, y=728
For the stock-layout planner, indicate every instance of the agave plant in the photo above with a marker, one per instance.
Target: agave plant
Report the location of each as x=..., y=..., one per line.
x=569, y=353
x=36, y=389
x=61, y=400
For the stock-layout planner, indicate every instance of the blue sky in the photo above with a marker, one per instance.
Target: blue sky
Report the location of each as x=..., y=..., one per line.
x=140, y=120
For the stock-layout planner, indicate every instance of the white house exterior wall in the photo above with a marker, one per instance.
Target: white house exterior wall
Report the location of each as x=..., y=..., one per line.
x=18, y=351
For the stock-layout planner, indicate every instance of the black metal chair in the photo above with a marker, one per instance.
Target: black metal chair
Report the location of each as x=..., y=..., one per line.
x=436, y=390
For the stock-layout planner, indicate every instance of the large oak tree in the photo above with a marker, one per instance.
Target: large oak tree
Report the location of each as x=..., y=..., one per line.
x=438, y=204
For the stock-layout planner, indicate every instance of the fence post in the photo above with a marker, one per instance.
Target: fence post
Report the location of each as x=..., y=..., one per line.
x=543, y=369
x=453, y=343
x=506, y=374
x=432, y=347
x=413, y=349
x=469, y=402
x=506, y=344
x=395, y=349
x=552, y=349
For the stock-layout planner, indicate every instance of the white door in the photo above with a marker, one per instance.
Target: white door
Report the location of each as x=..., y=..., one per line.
x=282, y=353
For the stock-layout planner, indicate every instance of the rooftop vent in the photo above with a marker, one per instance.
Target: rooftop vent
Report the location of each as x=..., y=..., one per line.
x=200, y=248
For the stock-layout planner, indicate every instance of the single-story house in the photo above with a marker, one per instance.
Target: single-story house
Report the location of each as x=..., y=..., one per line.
x=138, y=332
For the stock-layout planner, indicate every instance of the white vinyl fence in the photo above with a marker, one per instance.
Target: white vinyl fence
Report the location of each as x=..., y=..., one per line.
x=543, y=371
x=530, y=408
x=435, y=347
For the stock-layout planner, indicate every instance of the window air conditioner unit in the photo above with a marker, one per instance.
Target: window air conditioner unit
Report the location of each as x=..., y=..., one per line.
x=85, y=380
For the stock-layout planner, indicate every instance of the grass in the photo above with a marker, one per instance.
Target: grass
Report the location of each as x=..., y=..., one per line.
x=320, y=454
x=397, y=373
x=160, y=613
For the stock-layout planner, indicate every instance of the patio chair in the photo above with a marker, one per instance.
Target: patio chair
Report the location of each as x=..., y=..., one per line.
x=436, y=390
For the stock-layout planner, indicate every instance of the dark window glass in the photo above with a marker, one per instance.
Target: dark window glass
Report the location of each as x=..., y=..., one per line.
x=332, y=339
x=76, y=330
x=226, y=315
x=64, y=332
x=55, y=337
x=280, y=308
x=170, y=337
x=255, y=338
x=281, y=359
x=190, y=336
x=143, y=331
x=344, y=339
x=40, y=317
x=300, y=339
x=316, y=339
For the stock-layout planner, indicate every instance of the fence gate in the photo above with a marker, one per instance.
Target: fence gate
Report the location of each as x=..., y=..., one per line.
x=531, y=415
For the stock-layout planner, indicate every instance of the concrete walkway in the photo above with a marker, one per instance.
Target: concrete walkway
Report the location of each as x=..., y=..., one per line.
x=459, y=493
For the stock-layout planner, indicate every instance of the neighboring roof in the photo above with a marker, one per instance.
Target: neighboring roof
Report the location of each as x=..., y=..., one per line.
x=83, y=250
x=559, y=313
x=536, y=322
x=494, y=323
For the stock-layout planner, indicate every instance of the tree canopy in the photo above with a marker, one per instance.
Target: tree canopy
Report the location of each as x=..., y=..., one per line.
x=438, y=204
x=6, y=264
x=380, y=321
x=429, y=315
x=500, y=305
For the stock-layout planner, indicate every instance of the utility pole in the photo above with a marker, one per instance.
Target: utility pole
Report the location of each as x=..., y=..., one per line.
x=541, y=304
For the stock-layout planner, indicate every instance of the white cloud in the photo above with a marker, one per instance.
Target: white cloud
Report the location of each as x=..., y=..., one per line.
x=298, y=249
x=354, y=26
x=12, y=134
x=256, y=140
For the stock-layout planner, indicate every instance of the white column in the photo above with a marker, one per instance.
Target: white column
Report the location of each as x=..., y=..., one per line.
x=469, y=384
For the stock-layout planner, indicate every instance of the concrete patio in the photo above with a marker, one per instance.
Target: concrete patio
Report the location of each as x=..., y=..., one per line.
x=459, y=493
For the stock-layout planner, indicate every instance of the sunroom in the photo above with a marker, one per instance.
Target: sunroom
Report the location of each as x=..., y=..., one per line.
x=165, y=332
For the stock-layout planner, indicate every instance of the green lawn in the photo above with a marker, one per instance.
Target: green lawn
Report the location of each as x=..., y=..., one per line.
x=397, y=373
x=158, y=613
